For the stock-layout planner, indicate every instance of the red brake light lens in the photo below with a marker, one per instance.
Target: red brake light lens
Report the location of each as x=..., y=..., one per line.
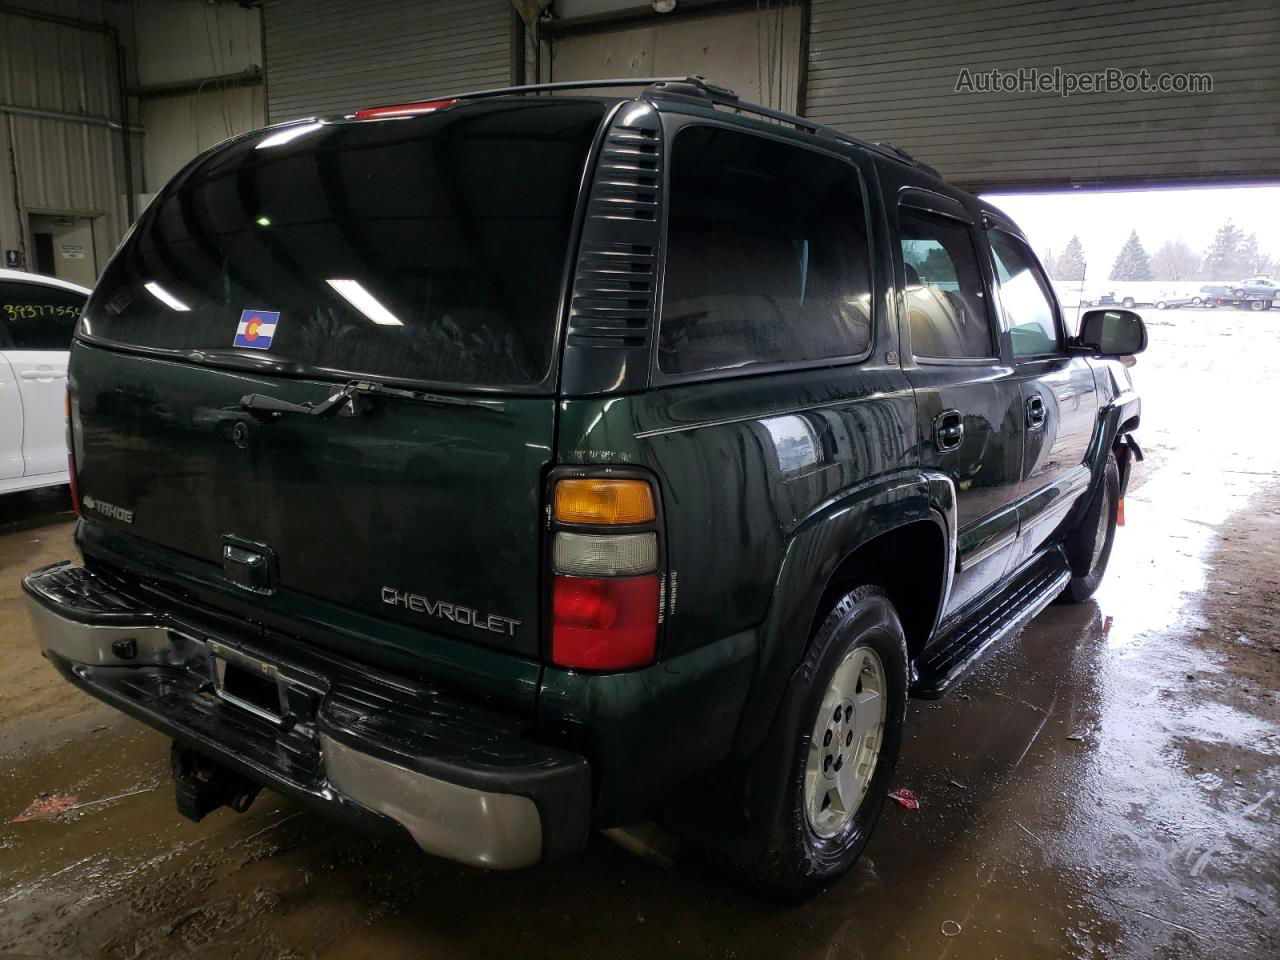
x=403, y=109
x=604, y=624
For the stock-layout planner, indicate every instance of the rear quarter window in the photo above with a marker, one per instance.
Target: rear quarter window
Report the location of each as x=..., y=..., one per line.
x=767, y=257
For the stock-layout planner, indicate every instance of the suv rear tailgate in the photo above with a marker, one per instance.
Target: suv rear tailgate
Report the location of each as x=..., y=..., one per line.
x=413, y=512
x=424, y=253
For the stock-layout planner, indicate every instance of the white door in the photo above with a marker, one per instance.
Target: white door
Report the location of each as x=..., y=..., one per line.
x=37, y=323
x=42, y=382
x=11, y=462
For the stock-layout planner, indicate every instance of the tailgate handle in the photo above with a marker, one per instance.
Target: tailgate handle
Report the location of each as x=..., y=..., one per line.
x=249, y=565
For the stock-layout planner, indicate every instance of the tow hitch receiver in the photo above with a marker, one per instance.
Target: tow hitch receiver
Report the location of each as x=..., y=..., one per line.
x=203, y=785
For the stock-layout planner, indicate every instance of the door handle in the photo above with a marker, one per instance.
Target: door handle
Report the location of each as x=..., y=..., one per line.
x=47, y=373
x=1035, y=411
x=948, y=431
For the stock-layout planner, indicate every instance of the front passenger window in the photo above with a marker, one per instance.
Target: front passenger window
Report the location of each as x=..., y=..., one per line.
x=1024, y=291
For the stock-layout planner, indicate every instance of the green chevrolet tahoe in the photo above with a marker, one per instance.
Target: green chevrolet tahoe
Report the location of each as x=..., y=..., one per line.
x=495, y=469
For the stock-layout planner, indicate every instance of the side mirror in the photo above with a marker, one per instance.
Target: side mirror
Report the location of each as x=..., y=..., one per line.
x=1112, y=333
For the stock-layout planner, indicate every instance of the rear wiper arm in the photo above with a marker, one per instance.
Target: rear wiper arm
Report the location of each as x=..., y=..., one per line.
x=349, y=397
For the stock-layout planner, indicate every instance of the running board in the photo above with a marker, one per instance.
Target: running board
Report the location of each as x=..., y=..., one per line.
x=965, y=646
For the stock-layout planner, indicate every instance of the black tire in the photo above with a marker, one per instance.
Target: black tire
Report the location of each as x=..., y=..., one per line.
x=798, y=862
x=1239, y=292
x=1128, y=302
x=1196, y=301
x=1160, y=304
x=1086, y=571
x=1257, y=305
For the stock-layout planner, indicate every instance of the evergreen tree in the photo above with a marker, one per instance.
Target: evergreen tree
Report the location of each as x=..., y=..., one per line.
x=1222, y=261
x=1253, y=261
x=1071, y=262
x=1133, y=262
x=1174, y=261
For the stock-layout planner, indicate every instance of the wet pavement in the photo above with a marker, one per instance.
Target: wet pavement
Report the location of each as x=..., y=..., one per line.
x=1107, y=785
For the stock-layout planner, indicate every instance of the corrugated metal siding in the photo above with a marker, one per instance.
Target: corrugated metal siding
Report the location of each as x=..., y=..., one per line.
x=887, y=70
x=60, y=165
x=326, y=56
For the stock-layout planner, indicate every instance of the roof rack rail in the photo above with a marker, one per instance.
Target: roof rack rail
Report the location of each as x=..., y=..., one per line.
x=697, y=88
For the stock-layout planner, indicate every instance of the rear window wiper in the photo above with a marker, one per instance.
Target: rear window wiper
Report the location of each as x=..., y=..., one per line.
x=350, y=398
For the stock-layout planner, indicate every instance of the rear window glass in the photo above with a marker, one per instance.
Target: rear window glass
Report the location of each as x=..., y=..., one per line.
x=427, y=249
x=34, y=316
x=767, y=257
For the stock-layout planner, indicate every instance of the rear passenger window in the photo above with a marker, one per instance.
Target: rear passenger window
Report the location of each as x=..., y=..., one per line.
x=767, y=257
x=38, y=317
x=1024, y=293
x=945, y=305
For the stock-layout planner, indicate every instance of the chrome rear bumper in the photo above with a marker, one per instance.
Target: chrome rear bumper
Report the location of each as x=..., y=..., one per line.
x=457, y=777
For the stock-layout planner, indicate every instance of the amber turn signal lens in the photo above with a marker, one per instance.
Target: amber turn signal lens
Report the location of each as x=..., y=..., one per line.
x=602, y=500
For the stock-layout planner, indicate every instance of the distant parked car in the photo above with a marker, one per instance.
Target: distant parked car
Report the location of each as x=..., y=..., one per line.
x=37, y=318
x=1213, y=292
x=1102, y=300
x=1256, y=287
x=1166, y=302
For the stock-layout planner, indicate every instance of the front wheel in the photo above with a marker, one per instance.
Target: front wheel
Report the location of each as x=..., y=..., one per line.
x=855, y=703
x=1160, y=304
x=1089, y=544
x=1257, y=305
x=1128, y=302
x=1239, y=292
x=1196, y=301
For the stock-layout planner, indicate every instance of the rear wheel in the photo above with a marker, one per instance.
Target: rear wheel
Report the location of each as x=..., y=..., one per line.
x=1239, y=292
x=1128, y=302
x=1196, y=301
x=1256, y=305
x=855, y=701
x=1089, y=545
x=1160, y=304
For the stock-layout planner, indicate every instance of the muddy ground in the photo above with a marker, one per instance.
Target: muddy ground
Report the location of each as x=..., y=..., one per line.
x=1107, y=785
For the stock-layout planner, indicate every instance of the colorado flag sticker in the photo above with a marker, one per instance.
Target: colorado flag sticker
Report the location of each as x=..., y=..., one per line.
x=256, y=329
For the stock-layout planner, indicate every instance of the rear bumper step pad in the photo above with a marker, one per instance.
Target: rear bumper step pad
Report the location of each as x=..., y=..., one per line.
x=379, y=750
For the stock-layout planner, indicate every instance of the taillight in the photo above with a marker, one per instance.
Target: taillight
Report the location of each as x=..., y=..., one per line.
x=71, y=454
x=403, y=109
x=606, y=584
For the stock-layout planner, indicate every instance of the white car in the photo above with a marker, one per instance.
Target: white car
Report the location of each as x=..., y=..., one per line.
x=37, y=319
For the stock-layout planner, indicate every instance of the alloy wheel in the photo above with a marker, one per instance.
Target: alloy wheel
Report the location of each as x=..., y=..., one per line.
x=846, y=741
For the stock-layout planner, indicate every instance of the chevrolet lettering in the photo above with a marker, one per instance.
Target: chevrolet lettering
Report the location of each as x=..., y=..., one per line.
x=452, y=612
x=537, y=353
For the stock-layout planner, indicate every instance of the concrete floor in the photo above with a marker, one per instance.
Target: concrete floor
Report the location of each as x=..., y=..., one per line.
x=1106, y=786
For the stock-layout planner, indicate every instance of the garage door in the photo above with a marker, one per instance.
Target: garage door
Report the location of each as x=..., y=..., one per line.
x=325, y=56
x=755, y=53
x=888, y=69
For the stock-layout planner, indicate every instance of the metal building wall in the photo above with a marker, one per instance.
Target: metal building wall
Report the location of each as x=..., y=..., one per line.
x=61, y=148
x=887, y=69
x=325, y=56
x=199, y=79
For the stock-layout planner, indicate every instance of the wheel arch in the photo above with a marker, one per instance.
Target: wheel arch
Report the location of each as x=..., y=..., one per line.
x=908, y=517
x=895, y=519
x=909, y=563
